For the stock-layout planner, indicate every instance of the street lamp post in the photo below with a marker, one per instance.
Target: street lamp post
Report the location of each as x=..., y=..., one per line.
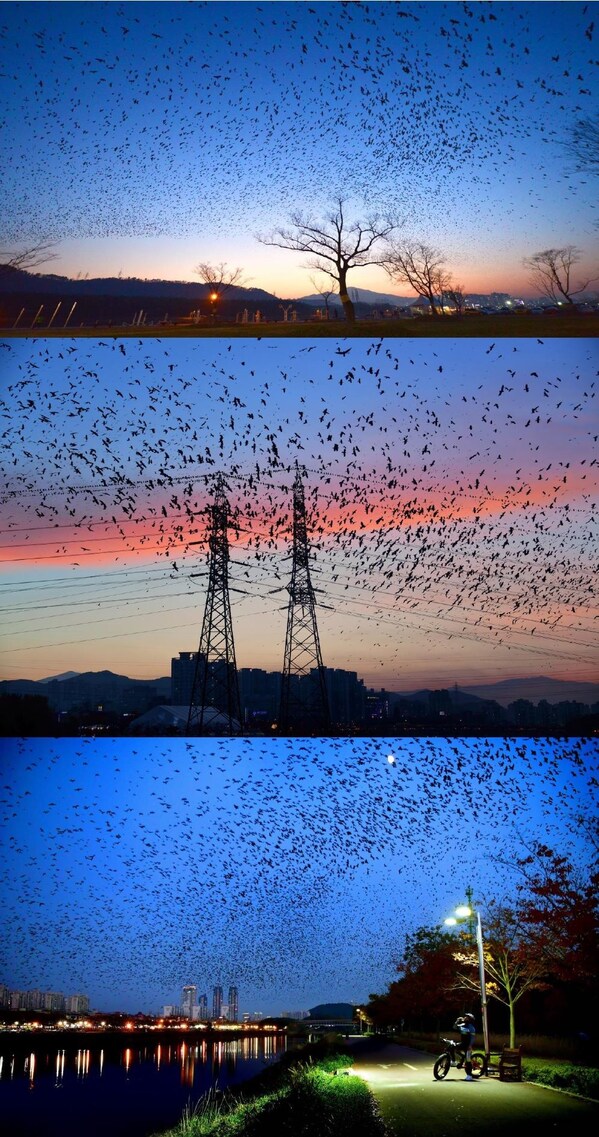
x=467, y=912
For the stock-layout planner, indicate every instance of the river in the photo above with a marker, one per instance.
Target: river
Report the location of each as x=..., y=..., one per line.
x=51, y=1090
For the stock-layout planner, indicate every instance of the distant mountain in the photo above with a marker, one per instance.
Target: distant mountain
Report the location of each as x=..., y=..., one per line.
x=535, y=689
x=361, y=296
x=377, y=299
x=459, y=698
x=50, y=284
x=93, y=690
x=59, y=678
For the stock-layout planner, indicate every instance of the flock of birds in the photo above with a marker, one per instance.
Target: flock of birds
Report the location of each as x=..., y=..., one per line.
x=280, y=865
x=208, y=120
x=434, y=500
x=464, y=506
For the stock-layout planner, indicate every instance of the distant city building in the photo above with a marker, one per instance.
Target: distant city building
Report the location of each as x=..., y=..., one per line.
x=188, y=1000
x=171, y=1011
x=203, y=1008
x=296, y=1016
x=36, y=1000
x=183, y=671
x=377, y=706
x=224, y=1012
x=260, y=695
x=76, y=1005
x=253, y=1016
x=217, y=1002
x=347, y=696
x=52, y=1001
x=333, y=1011
x=233, y=1005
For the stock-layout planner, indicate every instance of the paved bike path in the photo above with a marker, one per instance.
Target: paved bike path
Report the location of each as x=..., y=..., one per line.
x=413, y=1104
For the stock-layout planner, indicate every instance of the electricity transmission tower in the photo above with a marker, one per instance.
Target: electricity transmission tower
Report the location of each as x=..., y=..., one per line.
x=304, y=700
x=215, y=689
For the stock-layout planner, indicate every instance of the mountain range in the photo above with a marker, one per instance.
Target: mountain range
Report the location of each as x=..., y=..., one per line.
x=504, y=692
x=18, y=281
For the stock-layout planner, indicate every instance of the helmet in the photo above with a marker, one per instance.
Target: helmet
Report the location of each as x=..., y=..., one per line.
x=469, y=1018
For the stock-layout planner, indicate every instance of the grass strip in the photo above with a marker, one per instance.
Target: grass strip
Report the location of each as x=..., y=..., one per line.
x=582, y=1080
x=308, y=1096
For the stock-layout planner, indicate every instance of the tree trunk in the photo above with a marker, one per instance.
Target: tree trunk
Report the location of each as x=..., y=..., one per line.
x=348, y=307
x=512, y=1025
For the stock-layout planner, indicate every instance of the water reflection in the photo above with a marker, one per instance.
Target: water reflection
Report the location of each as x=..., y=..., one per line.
x=221, y=1058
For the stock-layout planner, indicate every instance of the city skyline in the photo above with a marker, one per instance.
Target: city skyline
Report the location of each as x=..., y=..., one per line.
x=449, y=489
x=298, y=866
x=454, y=119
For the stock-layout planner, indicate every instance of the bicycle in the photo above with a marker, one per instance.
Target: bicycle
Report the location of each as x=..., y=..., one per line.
x=453, y=1056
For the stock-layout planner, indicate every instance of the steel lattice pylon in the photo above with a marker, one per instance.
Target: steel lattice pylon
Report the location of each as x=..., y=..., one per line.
x=215, y=690
x=304, y=699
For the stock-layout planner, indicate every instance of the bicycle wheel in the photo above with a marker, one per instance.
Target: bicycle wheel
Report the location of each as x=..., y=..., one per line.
x=441, y=1066
x=479, y=1064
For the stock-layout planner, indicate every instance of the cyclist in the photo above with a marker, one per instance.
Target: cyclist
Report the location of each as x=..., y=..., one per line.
x=467, y=1029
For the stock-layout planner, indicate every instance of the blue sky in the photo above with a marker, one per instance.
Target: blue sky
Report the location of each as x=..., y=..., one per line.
x=293, y=868
x=450, y=488
x=146, y=137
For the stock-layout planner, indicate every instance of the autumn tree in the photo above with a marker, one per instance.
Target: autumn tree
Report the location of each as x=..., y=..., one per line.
x=512, y=966
x=551, y=272
x=426, y=986
x=560, y=906
x=335, y=246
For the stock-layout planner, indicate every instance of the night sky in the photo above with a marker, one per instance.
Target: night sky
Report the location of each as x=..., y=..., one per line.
x=292, y=868
x=450, y=490
x=148, y=137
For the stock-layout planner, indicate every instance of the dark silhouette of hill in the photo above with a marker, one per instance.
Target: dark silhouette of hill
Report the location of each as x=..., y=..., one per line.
x=118, y=300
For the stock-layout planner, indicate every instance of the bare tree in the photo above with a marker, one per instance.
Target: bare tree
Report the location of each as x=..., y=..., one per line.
x=583, y=144
x=326, y=293
x=423, y=268
x=551, y=273
x=335, y=245
x=455, y=295
x=27, y=258
x=219, y=278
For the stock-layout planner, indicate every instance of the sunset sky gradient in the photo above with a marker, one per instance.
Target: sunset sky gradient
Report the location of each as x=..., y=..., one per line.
x=145, y=138
x=450, y=487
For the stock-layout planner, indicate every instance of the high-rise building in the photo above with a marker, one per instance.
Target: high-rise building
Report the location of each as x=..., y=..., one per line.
x=189, y=1000
x=52, y=1001
x=76, y=1005
x=217, y=1002
x=233, y=1005
x=203, y=1008
x=183, y=671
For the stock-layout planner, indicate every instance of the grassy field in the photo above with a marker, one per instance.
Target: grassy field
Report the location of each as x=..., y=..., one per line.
x=304, y=1099
x=563, y=325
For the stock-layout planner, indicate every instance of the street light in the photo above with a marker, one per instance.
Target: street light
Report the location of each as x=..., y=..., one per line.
x=467, y=912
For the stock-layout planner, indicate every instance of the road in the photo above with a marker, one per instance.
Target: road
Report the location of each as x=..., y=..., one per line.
x=413, y=1104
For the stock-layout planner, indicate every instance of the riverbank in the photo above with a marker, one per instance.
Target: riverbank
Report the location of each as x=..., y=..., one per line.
x=306, y=1093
